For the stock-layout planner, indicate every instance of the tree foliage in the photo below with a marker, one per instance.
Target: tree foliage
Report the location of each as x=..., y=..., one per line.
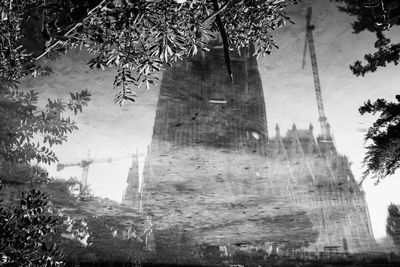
x=25, y=230
x=28, y=175
x=23, y=124
x=378, y=16
x=383, y=153
x=393, y=223
x=375, y=16
x=27, y=132
x=139, y=37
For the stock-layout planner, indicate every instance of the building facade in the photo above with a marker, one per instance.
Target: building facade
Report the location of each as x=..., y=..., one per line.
x=213, y=170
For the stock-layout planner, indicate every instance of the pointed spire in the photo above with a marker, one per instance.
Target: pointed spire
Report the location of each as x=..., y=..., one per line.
x=130, y=192
x=134, y=160
x=278, y=132
x=148, y=149
x=294, y=128
x=312, y=144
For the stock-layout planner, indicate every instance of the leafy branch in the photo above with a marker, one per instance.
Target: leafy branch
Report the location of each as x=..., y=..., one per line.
x=387, y=53
x=143, y=36
x=22, y=124
x=377, y=17
x=383, y=154
x=24, y=232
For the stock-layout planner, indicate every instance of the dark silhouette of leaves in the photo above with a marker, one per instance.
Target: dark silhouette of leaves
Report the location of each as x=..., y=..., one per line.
x=143, y=36
x=383, y=151
x=375, y=16
x=22, y=122
x=25, y=231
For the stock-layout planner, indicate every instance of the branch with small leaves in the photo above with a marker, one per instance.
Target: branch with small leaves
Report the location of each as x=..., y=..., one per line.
x=22, y=124
x=144, y=36
x=377, y=17
x=24, y=232
x=383, y=153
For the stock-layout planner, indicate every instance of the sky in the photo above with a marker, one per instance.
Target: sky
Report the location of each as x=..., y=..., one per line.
x=109, y=131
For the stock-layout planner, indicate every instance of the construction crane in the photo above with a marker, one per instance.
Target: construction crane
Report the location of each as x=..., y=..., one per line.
x=309, y=41
x=85, y=163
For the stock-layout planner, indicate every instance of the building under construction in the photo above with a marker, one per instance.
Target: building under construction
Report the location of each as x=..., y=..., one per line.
x=214, y=170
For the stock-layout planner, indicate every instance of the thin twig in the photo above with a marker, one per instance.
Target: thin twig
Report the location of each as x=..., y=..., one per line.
x=213, y=15
x=71, y=30
x=362, y=180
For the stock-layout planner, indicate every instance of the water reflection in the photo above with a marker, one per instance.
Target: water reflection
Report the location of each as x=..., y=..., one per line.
x=218, y=187
x=213, y=171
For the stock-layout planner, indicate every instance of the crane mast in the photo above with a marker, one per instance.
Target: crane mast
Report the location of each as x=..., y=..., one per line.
x=325, y=133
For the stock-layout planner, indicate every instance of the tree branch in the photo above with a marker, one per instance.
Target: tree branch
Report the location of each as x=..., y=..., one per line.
x=213, y=15
x=71, y=30
x=224, y=37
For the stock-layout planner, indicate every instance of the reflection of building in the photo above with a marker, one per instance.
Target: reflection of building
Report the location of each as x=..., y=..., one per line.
x=130, y=194
x=329, y=195
x=212, y=168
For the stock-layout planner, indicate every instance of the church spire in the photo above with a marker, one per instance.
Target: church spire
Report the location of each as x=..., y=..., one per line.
x=278, y=132
x=131, y=190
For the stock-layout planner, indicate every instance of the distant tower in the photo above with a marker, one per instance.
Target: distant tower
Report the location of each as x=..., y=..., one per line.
x=130, y=195
x=309, y=40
